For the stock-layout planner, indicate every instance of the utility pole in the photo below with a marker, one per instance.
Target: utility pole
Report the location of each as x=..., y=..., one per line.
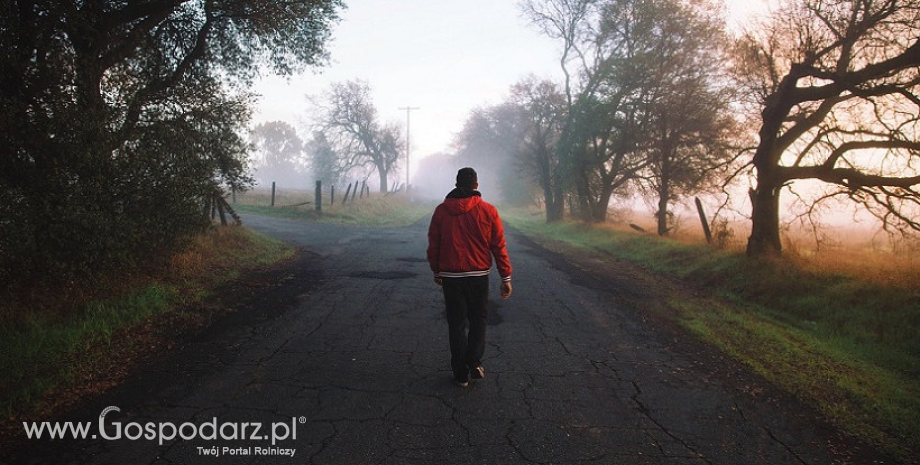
x=408, y=111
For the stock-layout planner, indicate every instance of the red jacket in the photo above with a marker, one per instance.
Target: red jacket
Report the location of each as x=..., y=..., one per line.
x=464, y=234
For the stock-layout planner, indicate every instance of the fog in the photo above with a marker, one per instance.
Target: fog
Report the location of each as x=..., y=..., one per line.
x=446, y=60
x=443, y=58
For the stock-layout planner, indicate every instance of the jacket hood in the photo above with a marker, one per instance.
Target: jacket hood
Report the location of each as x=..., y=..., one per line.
x=460, y=200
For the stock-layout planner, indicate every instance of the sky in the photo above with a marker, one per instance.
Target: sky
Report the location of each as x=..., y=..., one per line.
x=444, y=57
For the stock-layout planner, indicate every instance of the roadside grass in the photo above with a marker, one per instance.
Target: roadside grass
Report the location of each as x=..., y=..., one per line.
x=374, y=210
x=848, y=344
x=56, y=345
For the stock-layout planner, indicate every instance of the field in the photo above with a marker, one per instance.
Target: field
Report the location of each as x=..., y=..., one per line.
x=378, y=210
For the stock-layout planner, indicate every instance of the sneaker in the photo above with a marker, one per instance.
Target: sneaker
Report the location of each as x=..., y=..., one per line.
x=462, y=382
x=477, y=372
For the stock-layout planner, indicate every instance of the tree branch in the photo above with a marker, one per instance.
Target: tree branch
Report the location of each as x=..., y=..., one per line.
x=842, y=82
x=849, y=177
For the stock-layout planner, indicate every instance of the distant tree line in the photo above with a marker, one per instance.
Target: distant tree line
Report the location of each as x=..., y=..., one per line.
x=118, y=119
x=348, y=139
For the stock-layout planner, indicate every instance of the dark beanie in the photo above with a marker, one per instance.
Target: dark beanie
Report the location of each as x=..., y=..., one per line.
x=467, y=178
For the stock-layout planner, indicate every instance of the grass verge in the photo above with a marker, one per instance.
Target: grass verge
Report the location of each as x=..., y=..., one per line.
x=71, y=344
x=849, y=346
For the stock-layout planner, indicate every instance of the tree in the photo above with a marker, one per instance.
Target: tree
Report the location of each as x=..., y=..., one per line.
x=281, y=154
x=610, y=64
x=118, y=118
x=693, y=131
x=543, y=105
x=348, y=118
x=689, y=104
x=575, y=23
x=834, y=88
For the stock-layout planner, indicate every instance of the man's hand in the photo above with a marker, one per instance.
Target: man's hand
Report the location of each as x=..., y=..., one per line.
x=506, y=289
x=438, y=280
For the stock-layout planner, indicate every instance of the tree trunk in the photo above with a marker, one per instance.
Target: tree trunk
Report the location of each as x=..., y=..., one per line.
x=664, y=195
x=547, y=184
x=663, y=210
x=382, y=171
x=593, y=205
x=765, y=240
x=599, y=212
x=552, y=210
x=552, y=187
x=599, y=208
x=584, y=201
x=556, y=211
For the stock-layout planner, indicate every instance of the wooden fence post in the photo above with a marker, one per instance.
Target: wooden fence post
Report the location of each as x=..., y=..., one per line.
x=220, y=209
x=273, y=193
x=228, y=209
x=706, y=230
x=319, y=196
x=332, y=195
x=346, y=194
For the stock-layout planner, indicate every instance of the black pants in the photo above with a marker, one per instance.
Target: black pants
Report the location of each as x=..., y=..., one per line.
x=466, y=300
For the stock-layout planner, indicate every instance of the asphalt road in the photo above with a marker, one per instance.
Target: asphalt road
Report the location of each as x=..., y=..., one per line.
x=349, y=364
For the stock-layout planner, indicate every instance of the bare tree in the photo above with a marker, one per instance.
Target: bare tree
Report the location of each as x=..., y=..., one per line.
x=834, y=87
x=348, y=118
x=570, y=22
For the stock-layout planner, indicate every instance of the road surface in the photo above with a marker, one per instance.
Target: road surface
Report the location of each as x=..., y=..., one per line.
x=348, y=363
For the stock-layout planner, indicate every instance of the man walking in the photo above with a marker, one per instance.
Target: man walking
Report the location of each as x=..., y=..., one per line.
x=465, y=234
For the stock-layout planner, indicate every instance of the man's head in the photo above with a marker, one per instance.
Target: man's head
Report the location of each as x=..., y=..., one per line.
x=467, y=179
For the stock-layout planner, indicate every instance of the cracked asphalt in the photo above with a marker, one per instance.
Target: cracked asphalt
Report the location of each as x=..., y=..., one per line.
x=356, y=362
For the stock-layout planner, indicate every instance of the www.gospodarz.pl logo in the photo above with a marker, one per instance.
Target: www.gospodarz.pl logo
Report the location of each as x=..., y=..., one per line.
x=162, y=432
